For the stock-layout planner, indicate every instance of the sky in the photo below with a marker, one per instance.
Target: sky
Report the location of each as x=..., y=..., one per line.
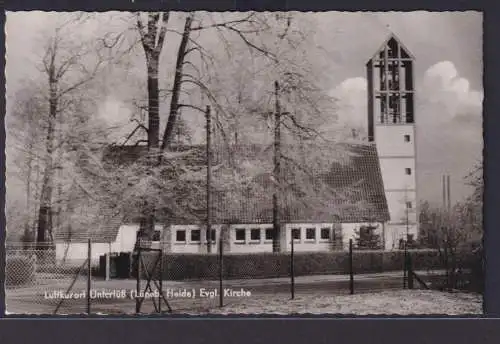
x=448, y=68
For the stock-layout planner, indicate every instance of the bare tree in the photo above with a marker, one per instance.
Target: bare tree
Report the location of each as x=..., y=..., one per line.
x=199, y=77
x=68, y=66
x=24, y=136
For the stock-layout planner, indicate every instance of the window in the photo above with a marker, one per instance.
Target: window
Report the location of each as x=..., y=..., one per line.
x=255, y=234
x=180, y=235
x=296, y=233
x=408, y=205
x=408, y=171
x=195, y=235
x=269, y=233
x=240, y=234
x=325, y=233
x=311, y=233
x=213, y=235
x=156, y=236
x=407, y=138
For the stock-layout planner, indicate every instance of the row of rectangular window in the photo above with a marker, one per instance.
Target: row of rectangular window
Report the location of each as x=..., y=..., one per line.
x=180, y=235
x=255, y=234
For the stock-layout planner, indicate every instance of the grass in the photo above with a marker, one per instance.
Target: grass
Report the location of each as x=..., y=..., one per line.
x=400, y=302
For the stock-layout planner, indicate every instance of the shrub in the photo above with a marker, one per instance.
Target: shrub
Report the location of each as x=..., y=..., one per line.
x=367, y=238
x=20, y=270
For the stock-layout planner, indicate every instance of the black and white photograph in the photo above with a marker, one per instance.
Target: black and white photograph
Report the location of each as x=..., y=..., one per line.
x=224, y=163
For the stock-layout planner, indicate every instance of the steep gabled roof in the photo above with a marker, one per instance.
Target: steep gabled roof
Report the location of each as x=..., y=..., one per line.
x=100, y=228
x=359, y=195
x=391, y=36
x=357, y=183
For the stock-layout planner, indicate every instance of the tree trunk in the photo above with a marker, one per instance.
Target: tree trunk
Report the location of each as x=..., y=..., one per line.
x=277, y=175
x=176, y=89
x=153, y=102
x=28, y=234
x=147, y=223
x=45, y=210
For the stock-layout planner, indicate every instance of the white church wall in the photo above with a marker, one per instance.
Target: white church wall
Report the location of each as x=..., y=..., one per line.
x=395, y=174
x=391, y=140
x=397, y=203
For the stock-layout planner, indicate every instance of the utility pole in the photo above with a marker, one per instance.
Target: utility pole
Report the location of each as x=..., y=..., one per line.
x=209, y=180
x=277, y=171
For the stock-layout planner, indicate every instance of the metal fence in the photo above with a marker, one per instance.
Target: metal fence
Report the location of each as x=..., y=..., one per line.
x=37, y=282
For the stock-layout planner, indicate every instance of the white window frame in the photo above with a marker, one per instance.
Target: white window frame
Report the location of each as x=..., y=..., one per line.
x=308, y=240
x=321, y=239
x=300, y=234
x=239, y=241
x=185, y=235
x=254, y=241
x=191, y=236
x=266, y=240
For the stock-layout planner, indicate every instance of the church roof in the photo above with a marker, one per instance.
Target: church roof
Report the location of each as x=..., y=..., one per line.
x=102, y=227
x=357, y=183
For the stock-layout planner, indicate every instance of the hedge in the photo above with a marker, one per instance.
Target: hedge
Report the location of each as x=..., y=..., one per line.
x=20, y=270
x=271, y=265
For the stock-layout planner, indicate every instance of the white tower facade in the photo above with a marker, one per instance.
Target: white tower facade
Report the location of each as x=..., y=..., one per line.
x=391, y=126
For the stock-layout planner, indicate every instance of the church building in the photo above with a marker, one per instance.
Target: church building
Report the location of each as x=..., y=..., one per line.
x=383, y=169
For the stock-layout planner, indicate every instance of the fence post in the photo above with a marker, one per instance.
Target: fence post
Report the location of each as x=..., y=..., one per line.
x=292, y=268
x=410, y=272
x=107, y=266
x=221, y=268
x=89, y=273
x=138, y=286
x=405, y=265
x=160, y=297
x=351, y=269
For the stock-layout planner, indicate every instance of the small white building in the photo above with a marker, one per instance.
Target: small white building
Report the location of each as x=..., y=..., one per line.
x=107, y=235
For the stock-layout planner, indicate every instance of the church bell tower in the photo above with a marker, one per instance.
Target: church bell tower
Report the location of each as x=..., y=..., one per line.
x=391, y=126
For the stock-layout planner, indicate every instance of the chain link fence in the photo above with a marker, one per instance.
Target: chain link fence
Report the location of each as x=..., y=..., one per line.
x=152, y=281
x=37, y=282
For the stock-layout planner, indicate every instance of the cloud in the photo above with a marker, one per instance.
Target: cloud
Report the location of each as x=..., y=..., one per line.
x=352, y=103
x=444, y=90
